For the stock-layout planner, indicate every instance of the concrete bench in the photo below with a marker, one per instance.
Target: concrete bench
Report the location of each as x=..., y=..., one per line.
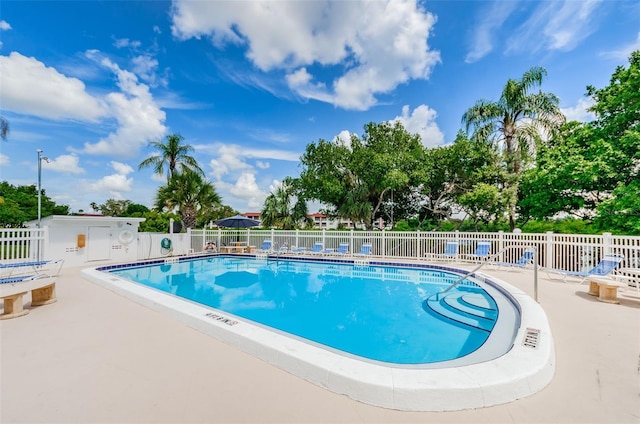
x=605, y=288
x=43, y=292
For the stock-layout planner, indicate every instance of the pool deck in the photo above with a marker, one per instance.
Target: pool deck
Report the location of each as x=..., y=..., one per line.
x=97, y=357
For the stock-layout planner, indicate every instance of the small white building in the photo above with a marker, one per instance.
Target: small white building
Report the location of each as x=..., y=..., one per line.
x=89, y=238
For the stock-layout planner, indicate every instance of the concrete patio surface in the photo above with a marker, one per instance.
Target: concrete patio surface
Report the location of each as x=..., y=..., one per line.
x=97, y=357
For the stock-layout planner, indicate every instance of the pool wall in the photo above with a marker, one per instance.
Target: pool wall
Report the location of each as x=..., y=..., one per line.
x=524, y=370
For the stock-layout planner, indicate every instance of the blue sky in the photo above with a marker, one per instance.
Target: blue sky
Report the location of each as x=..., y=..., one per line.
x=250, y=84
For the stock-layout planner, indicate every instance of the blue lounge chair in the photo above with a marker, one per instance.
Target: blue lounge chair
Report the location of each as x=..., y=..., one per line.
x=450, y=252
x=317, y=249
x=267, y=246
x=482, y=251
x=365, y=250
x=343, y=249
x=604, y=268
x=522, y=262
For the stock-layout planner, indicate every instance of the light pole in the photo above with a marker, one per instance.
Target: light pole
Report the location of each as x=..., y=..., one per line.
x=40, y=159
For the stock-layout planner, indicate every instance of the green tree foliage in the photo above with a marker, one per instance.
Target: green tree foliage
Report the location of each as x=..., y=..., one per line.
x=593, y=163
x=173, y=155
x=112, y=207
x=135, y=210
x=516, y=123
x=285, y=209
x=355, y=179
x=190, y=194
x=157, y=222
x=20, y=204
x=621, y=213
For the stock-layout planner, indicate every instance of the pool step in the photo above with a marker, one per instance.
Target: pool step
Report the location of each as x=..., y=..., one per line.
x=470, y=308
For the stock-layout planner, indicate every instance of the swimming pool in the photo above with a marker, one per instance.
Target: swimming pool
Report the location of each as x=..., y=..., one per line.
x=340, y=325
x=380, y=313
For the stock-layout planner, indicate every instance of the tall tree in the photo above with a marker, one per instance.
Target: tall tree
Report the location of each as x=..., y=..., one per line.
x=516, y=123
x=173, y=155
x=284, y=209
x=189, y=193
x=593, y=163
x=355, y=179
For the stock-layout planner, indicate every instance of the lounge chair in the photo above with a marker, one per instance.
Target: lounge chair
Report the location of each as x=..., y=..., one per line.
x=267, y=246
x=481, y=253
x=317, y=249
x=522, y=262
x=343, y=249
x=604, y=268
x=31, y=268
x=450, y=252
x=33, y=278
x=365, y=250
x=298, y=249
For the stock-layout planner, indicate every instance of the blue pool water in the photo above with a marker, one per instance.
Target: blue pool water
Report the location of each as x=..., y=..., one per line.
x=381, y=313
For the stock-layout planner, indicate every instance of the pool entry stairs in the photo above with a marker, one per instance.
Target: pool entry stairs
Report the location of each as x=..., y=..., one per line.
x=466, y=305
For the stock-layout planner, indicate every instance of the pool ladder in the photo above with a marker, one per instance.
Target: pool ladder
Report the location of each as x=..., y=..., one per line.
x=495, y=255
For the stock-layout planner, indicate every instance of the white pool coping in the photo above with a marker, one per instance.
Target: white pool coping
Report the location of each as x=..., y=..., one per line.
x=519, y=373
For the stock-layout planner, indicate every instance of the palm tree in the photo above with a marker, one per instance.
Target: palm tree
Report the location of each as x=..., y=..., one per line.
x=515, y=124
x=284, y=209
x=173, y=155
x=189, y=193
x=4, y=128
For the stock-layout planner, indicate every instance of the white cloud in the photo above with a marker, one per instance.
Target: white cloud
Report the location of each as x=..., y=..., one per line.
x=114, y=184
x=4, y=25
x=374, y=45
x=4, y=160
x=562, y=25
x=139, y=118
x=228, y=158
x=68, y=164
x=422, y=121
x=262, y=165
x=624, y=52
x=491, y=20
x=31, y=88
x=121, y=168
x=247, y=189
x=343, y=138
x=579, y=112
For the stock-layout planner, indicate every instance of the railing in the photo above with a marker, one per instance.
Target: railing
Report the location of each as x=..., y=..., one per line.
x=567, y=252
x=489, y=261
x=22, y=244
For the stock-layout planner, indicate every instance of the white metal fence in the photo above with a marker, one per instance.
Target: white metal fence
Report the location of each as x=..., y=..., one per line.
x=20, y=244
x=571, y=252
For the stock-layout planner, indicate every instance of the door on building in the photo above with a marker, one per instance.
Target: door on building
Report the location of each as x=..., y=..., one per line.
x=99, y=243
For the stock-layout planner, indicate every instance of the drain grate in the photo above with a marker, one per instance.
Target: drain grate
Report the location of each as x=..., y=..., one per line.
x=531, y=338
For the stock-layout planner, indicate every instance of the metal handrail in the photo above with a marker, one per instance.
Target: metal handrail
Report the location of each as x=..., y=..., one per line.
x=495, y=255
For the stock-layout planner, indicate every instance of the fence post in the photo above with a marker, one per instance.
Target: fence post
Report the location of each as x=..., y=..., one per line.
x=383, y=245
x=501, y=244
x=351, y=240
x=549, y=248
x=606, y=243
x=418, y=246
x=297, y=236
x=323, y=234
